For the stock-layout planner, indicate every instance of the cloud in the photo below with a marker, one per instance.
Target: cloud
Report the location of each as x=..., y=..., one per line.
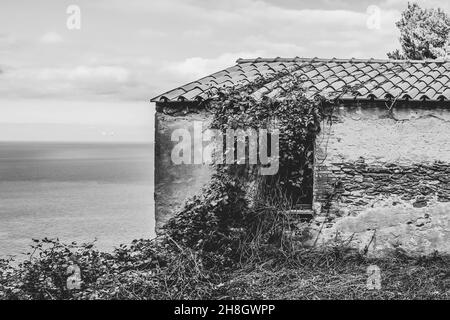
x=193, y=68
x=248, y=26
x=69, y=82
x=402, y=4
x=196, y=67
x=7, y=39
x=51, y=37
x=99, y=73
x=151, y=33
x=80, y=76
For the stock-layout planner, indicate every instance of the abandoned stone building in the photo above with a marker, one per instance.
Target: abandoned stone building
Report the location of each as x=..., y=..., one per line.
x=385, y=158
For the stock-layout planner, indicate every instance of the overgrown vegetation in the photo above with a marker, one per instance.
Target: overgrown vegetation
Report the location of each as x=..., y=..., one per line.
x=296, y=117
x=138, y=271
x=233, y=235
x=145, y=269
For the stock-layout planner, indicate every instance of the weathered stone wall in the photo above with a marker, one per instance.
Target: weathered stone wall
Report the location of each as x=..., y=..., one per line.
x=176, y=183
x=385, y=177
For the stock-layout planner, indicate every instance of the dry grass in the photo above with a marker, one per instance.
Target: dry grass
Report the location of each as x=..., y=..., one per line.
x=340, y=273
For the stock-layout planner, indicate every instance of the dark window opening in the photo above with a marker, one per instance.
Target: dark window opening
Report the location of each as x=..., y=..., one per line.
x=300, y=192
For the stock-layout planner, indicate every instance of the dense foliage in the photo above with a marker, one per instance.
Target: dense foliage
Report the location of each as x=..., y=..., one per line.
x=296, y=117
x=212, y=223
x=424, y=33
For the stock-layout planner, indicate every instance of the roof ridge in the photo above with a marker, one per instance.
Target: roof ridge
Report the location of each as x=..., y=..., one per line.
x=340, y=60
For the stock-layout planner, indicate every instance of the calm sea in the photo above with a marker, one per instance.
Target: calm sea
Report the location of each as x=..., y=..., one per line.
x=75, y=192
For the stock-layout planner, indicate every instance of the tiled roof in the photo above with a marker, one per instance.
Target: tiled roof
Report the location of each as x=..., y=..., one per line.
x=372, y=79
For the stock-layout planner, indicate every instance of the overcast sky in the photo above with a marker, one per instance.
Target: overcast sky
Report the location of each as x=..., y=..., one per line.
x=98, y=80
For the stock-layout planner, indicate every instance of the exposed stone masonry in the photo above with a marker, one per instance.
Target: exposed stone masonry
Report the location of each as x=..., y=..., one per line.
x=361, y=185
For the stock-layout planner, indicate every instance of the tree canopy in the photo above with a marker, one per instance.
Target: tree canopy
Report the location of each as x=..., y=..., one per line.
x=424, y=33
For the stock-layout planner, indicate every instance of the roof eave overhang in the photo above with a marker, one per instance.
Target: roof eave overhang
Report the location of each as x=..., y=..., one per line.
x=180, y=102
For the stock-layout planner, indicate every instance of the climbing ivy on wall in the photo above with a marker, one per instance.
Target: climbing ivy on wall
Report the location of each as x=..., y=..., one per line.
x=296, y=117
x=220, y=219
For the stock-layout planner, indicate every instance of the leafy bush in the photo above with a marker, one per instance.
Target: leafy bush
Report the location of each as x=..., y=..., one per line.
x=44, y=274
x=145, y=269
x=212, y=223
